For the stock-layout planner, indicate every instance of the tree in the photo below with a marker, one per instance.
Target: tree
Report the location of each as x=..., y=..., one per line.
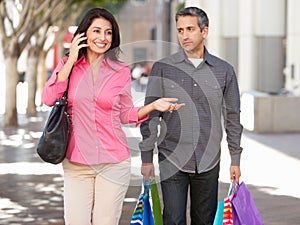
x=19, y=21
x=37, y=51
x=20, y=24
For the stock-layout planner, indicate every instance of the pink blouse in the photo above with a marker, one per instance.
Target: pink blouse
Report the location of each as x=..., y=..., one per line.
x=96, y=110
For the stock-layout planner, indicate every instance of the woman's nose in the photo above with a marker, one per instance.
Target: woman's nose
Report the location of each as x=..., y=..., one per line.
x=102, y=36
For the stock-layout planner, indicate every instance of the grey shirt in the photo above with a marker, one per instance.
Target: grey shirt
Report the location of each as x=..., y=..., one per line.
x=190, y=138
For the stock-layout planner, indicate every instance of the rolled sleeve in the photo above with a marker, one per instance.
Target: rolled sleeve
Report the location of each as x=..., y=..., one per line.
x=134, y=118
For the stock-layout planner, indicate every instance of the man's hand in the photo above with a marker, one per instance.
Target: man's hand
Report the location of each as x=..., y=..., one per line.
x=147, y=171
x=235, y=173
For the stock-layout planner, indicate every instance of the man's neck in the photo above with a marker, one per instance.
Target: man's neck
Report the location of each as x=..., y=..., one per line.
x=195, y=54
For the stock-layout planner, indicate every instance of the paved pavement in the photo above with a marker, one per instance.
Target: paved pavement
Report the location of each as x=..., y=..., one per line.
x=31, y=190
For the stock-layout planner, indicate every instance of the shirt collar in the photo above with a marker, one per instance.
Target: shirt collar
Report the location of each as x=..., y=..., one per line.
x=104, y=62
x=81, y=60
x=181, y=56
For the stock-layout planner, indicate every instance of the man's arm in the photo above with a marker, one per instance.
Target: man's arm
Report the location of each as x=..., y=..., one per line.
x=149, y=128
x=232, y=124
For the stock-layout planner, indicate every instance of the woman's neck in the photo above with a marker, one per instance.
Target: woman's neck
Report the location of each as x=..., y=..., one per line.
x=94, y=58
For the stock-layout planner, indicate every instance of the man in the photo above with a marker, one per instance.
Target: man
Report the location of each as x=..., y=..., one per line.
x=189, y=140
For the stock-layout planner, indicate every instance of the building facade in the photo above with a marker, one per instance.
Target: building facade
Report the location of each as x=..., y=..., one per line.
x=259, y=38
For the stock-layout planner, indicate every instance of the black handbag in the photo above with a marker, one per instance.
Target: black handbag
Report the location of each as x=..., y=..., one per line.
x=53, y=144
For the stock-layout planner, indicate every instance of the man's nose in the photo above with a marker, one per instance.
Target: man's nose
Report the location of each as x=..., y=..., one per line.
x=185, y=35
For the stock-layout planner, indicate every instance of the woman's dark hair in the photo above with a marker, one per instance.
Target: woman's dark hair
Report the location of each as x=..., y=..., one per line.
x=114, y=50
x=194, y=11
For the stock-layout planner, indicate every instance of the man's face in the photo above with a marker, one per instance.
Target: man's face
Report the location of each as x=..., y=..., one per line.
x=190, y=36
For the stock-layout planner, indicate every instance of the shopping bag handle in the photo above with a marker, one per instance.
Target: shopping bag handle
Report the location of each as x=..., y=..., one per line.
x=232, y=188
x=147, y=184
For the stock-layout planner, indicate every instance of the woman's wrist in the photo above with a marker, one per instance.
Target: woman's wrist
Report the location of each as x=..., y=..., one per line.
x=151, y=106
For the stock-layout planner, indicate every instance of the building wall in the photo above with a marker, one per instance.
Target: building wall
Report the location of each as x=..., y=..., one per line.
x=261, y=39
x=250, y=35
x=144, y=30
x=292, y=69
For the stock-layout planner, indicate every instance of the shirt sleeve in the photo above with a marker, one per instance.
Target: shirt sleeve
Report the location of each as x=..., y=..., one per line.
x=129, y=113
x=231, y=114
x=149, y=128
x=53, y=89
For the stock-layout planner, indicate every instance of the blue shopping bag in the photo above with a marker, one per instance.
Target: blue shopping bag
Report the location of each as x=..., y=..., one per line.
x=219, y=214
x=143, y=213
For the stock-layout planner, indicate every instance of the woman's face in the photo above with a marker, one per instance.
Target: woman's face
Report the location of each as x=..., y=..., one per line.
x=99, y=36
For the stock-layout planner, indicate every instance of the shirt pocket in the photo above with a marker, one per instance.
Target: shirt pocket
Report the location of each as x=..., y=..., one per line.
x=212, y=91
x=173, y=88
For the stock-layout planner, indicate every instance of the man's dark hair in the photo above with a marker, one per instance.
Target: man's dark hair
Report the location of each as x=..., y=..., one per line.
x=194, y=11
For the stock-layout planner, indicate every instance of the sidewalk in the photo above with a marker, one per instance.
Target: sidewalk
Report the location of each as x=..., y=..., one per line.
x=31, y=190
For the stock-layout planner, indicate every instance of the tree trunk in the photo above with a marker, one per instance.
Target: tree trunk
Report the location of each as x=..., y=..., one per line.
x=11, y=117
x=31, y=77
x=42, y=77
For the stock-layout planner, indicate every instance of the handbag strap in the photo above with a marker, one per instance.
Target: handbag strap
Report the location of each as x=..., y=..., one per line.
x=65, y=95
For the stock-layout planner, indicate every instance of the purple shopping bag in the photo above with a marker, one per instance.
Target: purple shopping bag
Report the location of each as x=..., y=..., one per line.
x=245, y=210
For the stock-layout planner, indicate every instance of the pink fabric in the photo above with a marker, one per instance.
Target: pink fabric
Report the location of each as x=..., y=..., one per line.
x=96, y=111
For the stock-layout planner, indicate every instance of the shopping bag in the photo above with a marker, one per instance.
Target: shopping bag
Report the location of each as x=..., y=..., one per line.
x=143, y=214
x=224, y=213
x=138, y=215
x=157, y=214
x=227, y=212
x=245, y=208
x=219, y=214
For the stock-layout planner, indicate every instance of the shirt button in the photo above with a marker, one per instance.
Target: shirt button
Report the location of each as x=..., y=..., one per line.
x=195, y=85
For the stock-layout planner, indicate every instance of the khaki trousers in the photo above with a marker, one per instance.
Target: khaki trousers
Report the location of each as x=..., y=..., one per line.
x=93, y=195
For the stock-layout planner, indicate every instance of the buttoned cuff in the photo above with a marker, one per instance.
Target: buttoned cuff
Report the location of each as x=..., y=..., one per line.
x=147, y=156
x=235, y=159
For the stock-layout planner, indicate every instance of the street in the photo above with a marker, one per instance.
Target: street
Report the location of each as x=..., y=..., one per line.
x=31, y=190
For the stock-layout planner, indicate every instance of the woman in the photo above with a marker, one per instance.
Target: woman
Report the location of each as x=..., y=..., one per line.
x=97, y=164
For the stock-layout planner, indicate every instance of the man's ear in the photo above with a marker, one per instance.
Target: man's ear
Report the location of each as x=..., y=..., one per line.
x=205, y=32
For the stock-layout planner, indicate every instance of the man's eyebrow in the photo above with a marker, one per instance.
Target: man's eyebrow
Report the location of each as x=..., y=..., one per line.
x=191, y=26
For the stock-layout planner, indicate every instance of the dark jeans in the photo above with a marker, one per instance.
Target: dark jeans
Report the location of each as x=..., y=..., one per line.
x=203, y=196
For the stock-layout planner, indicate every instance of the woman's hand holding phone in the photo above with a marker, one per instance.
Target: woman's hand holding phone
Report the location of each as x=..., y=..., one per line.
x=78, y=42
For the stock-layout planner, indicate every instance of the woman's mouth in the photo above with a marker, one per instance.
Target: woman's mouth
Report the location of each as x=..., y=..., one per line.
x=100, y=45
